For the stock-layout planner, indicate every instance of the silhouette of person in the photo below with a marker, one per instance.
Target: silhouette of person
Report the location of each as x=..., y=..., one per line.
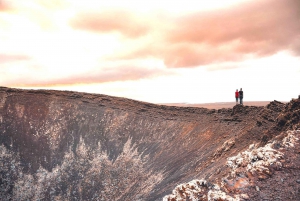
x=236, y=97
x=241, y=96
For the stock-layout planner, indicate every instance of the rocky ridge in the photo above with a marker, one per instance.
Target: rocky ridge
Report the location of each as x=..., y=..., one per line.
x=271, y=172
x=62, y=145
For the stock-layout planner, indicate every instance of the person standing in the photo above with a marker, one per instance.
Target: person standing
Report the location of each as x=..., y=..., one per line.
x=237, y=97
x=241, y=96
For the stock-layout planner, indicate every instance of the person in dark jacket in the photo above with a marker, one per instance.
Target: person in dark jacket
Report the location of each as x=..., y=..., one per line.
x=241, y=96
x=236, y=96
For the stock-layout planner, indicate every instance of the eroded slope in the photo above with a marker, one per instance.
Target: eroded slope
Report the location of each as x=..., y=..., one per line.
x=59, y=145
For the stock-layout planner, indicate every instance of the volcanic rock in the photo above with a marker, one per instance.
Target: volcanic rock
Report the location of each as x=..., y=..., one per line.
x=64, y=145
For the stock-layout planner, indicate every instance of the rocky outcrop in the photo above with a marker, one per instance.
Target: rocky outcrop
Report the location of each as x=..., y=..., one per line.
x=62, y=145
x=263, y=173
x=290, y=116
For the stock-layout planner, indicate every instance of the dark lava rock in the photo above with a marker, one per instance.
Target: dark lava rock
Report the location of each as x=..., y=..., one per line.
x=238, y=109
x=290, y=116
x=275, y=106
x=63, y=145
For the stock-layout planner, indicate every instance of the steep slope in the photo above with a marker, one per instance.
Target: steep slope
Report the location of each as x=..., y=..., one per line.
x=60, y=145
x=271, y=172
x=268, y=172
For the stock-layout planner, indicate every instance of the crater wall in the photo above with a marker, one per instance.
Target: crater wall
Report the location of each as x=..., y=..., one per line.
x=63, y=145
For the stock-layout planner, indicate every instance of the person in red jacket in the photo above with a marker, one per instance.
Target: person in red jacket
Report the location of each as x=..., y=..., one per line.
x=237, y=96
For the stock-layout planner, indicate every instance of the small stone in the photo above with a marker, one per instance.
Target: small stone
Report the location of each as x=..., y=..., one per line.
x=257, y=188
x=281, y=180
x=298, y=181
x=245, y=196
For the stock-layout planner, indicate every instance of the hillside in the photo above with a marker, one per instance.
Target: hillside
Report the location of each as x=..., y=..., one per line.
x=62, y=145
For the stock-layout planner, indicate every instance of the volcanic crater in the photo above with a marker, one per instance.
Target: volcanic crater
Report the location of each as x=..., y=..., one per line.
x=64, y=145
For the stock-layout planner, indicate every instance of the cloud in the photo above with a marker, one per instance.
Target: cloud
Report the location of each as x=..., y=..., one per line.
x=8, y=58
x=225, y=66
x=32, y=12
x=295, y=47
x=52, y=5
x=109, y=21
x=122, y=73
x=264, y=23
x=253, y=29
x=4, y=6
x=100, y=75
x=16, y=5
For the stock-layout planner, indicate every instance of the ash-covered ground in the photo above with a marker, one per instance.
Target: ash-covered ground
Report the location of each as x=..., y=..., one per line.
x=60, y=145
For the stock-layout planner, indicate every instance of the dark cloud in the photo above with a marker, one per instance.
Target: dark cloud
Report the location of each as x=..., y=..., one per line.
x=110, y=21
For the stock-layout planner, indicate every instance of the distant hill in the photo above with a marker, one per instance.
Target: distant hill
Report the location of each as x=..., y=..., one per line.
x=220, y=104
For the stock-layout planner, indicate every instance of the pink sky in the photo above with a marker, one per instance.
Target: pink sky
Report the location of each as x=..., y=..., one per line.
x=160, y=52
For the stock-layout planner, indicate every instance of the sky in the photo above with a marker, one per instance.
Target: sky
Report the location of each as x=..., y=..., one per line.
x=154, y=51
